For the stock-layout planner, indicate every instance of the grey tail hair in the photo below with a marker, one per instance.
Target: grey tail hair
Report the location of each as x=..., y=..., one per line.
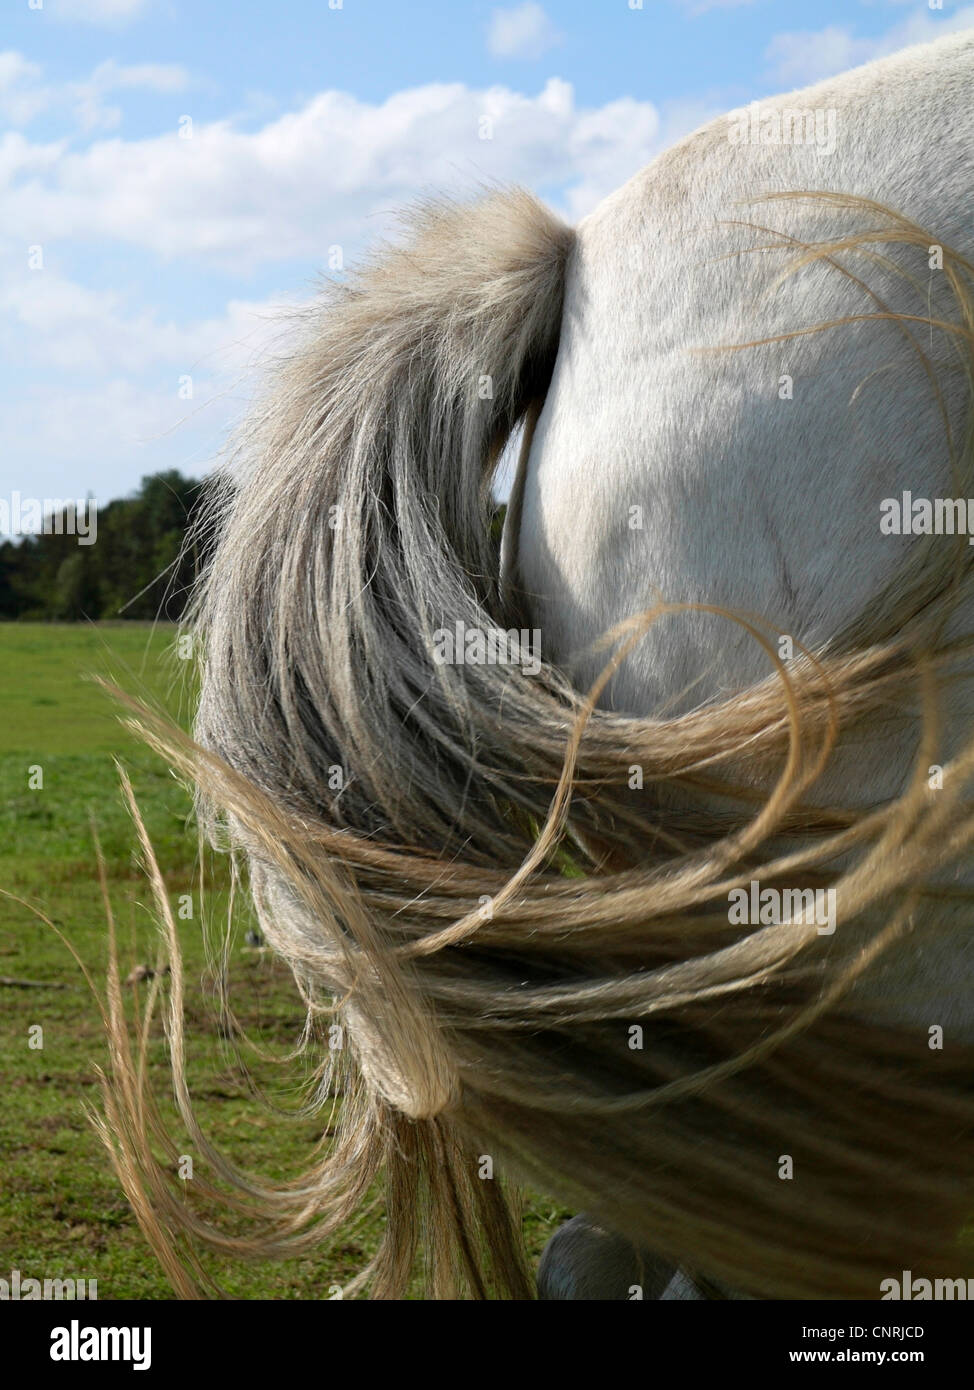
x=363, y=528
x=533, y=975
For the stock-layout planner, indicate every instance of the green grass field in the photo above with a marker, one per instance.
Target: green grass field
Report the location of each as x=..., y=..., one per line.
x=62, y=1212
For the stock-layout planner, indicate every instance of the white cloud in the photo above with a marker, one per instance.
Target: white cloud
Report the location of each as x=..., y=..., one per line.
x=99, y=11
x=88, y=97
x=47, y=320
x=66, y=442
x=21, y=95
x=798, y=59
x=323, y=175
x=160, y=77
x=103, y=406
x=522, y=32
x=24, y=95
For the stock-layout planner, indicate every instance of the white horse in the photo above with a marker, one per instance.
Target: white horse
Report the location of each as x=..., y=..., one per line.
x=752, y=480
x=549, y=899
x=756, y=478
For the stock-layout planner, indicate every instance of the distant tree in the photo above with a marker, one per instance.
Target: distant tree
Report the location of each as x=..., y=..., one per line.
x=13, y=579
x=75, y=588
x=140, y=566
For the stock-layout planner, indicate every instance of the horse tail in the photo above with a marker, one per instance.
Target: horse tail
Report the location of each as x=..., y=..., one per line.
x=360, y=540
x=358, y=529
x=521, y=964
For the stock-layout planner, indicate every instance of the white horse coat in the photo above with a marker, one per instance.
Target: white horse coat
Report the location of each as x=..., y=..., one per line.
x=753, y=479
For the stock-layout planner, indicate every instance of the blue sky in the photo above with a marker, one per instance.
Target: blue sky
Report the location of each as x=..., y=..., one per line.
x=165, y=262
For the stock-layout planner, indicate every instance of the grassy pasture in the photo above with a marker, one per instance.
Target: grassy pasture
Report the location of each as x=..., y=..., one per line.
x=62, y=1212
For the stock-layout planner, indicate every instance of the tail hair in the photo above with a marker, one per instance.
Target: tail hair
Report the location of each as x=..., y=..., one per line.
x=448, y=855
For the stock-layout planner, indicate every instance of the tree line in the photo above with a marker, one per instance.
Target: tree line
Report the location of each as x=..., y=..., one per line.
x=142, y=564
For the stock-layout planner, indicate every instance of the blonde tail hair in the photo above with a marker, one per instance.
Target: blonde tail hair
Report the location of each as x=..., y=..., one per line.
x=529, y=969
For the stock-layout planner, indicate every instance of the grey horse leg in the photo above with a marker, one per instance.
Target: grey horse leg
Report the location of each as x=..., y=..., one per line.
x=584, y=1260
